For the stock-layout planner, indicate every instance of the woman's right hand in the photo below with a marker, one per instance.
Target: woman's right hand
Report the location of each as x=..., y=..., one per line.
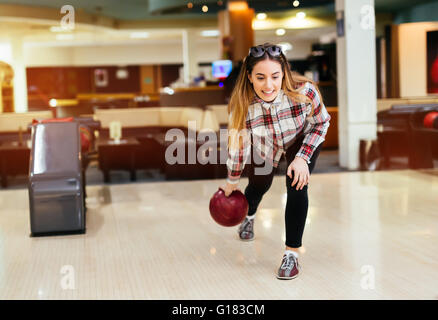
x=229, y=188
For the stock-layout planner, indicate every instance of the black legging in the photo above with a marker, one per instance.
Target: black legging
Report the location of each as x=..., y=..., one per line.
x=297, y=200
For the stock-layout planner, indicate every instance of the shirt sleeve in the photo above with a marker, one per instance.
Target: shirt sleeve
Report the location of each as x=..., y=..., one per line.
x=318, y=124
x=237, y=157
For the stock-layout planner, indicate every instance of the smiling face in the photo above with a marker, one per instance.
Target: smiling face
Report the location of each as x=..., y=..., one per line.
x=266, y=77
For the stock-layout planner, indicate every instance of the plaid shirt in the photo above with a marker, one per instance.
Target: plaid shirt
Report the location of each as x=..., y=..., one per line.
x=274, y=126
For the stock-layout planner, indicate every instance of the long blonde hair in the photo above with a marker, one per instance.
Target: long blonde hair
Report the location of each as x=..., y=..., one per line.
x=243, y=93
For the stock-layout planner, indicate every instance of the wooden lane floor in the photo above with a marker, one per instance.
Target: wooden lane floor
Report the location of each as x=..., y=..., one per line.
x=369, y=235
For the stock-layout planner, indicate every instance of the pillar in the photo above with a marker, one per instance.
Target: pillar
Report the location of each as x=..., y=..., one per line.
x=189, y=55
x=20, y=79
x=236, y=32
x=356, y=71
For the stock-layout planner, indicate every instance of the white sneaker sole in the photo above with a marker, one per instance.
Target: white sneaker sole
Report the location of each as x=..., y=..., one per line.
x=287, y=278
x=246, y=240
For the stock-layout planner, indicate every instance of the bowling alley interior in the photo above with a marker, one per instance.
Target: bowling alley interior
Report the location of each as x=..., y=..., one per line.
x=114, y=119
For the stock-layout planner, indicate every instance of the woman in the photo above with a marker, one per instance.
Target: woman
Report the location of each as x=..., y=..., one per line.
x=272, y=112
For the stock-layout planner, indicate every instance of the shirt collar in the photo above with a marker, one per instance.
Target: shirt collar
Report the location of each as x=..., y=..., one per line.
x=265, y=104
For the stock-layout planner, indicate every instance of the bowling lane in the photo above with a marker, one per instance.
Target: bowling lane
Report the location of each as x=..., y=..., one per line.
x=369, y=235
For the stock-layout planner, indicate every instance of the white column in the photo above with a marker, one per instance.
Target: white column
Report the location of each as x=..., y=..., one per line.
x=189, y=55
x=356, y=69
x=20, y=79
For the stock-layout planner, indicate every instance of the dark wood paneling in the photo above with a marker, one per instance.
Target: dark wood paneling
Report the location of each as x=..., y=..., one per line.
x=169, y=74
x=130, y=84
x=199, y=97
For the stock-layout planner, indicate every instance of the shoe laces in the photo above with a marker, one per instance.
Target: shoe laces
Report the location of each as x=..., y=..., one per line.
x=247, y=224
x=288, y=262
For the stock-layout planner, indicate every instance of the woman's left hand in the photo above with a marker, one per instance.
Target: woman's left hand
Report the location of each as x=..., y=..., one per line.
x=301, y=172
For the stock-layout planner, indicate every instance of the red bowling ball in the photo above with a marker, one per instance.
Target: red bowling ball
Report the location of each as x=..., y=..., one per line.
x=228, y=211
x=431, y=120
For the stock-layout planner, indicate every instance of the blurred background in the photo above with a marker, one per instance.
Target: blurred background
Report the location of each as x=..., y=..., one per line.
x=105, y=61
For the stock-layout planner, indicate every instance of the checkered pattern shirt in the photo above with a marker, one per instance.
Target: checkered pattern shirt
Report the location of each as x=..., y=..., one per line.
x=274, y=126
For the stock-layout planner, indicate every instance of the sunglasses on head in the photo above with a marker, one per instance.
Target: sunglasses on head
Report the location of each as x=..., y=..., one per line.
x=258, y=51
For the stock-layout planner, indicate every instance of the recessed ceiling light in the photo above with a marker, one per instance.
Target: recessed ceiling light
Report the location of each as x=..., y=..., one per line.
x=261, y=16
x=189, y=5
x=204, y=8
x=139, y=35
x=296, y=3
x=301, y=15
x=280, y=32
x=210, y=33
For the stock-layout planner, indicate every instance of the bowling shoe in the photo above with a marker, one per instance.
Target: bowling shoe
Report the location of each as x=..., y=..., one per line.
x=246, y=230
x=289, y=267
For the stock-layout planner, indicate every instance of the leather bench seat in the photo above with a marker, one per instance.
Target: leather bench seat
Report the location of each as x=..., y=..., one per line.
x=12, y=123
x=221, y=113
x=401, y=133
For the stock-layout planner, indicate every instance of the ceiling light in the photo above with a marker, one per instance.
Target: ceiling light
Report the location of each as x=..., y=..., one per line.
x=296, y=3
x=204, y=8
x=63, y=37
x=295, y=23
x=139, y=35
x=237, y=5
x=280, y=32
x=210, y=33
x=301, y=15
x=189, y=5
x=261, y=16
